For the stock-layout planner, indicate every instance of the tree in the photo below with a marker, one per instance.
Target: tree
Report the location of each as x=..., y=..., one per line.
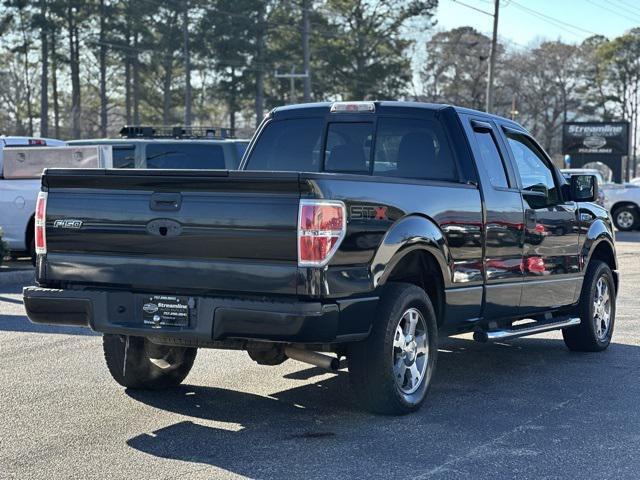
x=41, y=22
x=368, y=54
x=456, y=68
x=73, y=33
x=621, y=59
x=594, y=80
x=22, y=18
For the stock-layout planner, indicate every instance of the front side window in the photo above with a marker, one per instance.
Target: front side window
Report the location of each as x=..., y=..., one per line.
x=183, y=155
x=412, y=148
x=535, y=174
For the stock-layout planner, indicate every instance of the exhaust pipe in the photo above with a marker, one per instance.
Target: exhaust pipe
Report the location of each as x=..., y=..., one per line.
x=314, y=358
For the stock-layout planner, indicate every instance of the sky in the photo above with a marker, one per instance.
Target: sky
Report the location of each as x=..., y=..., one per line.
x=522, y=22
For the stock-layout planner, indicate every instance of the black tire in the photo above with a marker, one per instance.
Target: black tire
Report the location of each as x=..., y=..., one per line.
x=626, y=218
x=371, y=361
x=585, y=337
x=135, y=362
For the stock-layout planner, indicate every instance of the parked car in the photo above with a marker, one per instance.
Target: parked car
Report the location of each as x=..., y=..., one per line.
x=18, y=197
x=176, y=147
x=359, y=229
x=623, y=201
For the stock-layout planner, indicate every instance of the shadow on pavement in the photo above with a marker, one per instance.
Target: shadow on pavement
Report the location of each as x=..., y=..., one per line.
x=627, y=236
x=482, y=396
x=20, y=323
x=6, y=299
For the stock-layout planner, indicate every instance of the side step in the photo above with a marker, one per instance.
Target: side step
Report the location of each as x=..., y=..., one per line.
x=523, y=330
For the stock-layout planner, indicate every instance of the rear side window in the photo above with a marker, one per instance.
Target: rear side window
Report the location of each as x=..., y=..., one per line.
x=288, y=145
x=491, y=159
x=185, y=155
x=124, y=157
x=412, y=148
x=348, y=147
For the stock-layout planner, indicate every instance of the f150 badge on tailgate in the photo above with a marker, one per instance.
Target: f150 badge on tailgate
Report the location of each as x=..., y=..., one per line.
x=68, y=223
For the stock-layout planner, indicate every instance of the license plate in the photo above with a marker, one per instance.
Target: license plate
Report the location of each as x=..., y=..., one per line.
x=163, y=310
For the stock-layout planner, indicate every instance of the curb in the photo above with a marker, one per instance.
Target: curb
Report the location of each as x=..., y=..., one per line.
x=17, y=276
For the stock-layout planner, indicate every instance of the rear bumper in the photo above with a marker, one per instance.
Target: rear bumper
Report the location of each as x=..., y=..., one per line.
x=212, y=318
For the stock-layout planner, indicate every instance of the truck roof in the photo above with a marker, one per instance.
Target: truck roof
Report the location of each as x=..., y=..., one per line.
x=118, y=141
x=386, y=106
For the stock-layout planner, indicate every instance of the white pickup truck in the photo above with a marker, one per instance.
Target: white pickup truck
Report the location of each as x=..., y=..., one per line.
x=22, y=160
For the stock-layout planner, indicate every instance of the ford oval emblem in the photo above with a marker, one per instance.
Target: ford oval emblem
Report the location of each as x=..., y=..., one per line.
x=164, y=227
x=150, y=307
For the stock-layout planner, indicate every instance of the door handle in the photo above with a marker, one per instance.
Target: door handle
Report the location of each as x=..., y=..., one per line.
x=165, y=202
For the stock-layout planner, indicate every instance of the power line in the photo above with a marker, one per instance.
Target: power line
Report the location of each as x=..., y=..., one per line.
x=618, y=13
x=472, y=7
x=553, y=20
x=630, y=5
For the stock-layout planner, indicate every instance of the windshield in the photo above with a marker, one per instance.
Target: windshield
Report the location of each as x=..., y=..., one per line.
x=185, y=155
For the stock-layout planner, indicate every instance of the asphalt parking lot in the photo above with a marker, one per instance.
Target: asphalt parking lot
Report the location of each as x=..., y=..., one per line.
x=524, y=409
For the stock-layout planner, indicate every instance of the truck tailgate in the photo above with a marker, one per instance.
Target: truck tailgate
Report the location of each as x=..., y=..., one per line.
x=153, y=229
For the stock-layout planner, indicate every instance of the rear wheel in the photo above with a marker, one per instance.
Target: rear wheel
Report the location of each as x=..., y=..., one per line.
x=391, y=370
x=135, y=362
x=597, y=310
x=626, y=218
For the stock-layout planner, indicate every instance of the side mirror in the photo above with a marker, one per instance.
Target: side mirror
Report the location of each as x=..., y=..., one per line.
x=584, y=188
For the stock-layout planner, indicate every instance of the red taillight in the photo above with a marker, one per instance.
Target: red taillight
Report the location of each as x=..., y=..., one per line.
x=322, y=225
x=40, y=219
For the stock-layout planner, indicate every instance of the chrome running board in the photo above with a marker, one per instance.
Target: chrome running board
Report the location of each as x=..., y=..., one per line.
x=523, y=330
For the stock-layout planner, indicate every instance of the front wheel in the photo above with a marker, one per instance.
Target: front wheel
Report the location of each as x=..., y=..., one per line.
x=391, y=370
x=135, y=362
x=597, y=310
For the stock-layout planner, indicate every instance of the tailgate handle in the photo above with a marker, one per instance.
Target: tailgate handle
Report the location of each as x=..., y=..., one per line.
x=165, y=201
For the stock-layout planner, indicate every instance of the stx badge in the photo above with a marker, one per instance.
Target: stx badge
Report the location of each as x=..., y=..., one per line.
x=368, y=212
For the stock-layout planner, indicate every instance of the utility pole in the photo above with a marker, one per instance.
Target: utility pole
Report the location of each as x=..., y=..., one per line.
x=305, y=49
x=292, y=79
x=492, y=58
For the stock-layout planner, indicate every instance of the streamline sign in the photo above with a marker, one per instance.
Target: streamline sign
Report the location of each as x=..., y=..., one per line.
x=600, y=138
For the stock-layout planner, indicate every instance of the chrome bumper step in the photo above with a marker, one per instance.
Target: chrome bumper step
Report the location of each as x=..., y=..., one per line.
x=523, y=330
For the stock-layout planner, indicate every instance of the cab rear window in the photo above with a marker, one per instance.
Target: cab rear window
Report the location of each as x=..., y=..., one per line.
x=395, y=147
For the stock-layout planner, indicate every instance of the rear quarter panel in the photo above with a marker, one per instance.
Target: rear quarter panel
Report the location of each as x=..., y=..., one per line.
x=387, y=218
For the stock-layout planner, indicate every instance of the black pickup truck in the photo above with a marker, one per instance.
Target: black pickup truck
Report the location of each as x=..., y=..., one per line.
x=363, y=230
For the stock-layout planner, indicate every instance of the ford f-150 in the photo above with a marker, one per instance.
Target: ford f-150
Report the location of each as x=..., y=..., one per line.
x=364, y=230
